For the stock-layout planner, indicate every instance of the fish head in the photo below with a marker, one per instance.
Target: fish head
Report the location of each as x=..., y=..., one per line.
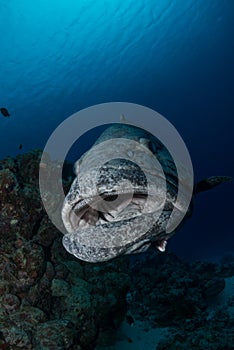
x=120, y=205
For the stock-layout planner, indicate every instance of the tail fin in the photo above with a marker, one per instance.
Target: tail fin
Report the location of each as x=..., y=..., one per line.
x=209, y=183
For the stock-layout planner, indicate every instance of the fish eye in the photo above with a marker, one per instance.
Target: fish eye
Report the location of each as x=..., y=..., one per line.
x=109, y=198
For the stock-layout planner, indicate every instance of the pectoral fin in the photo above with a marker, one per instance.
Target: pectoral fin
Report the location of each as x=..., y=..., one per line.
x=209, y=183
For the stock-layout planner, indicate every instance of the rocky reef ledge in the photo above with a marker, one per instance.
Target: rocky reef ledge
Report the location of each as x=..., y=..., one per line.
x=51, y=301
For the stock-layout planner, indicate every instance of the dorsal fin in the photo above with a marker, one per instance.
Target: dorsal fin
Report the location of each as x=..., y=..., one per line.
x=209, y=183
x=122, y=119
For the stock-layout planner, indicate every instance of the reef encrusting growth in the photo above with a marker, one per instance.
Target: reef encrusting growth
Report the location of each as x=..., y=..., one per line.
x=50, y=300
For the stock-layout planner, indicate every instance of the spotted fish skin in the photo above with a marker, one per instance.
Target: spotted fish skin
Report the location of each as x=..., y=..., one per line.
x=102, y=230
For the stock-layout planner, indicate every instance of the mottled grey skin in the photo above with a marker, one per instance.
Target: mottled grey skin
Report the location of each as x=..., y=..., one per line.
x=95, y=234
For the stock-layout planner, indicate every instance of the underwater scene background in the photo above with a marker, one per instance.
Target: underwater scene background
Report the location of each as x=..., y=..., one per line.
x=58, y=57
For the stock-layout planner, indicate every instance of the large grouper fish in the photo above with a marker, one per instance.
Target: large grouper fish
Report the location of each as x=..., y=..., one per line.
x=122, y=204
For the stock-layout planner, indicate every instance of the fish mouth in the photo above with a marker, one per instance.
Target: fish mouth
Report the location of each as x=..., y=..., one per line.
x=101, y=227
x=102, y=209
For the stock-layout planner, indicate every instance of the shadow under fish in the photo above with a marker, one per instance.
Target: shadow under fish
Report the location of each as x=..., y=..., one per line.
x=123, y=204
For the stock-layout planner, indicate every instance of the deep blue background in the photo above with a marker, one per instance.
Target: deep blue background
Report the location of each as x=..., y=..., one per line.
x=176, y=57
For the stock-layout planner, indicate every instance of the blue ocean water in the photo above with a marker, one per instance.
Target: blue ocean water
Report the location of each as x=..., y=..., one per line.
x=176, y=57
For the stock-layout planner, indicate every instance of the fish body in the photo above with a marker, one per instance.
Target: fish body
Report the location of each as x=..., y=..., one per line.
x=122, y=204
x=4, y=112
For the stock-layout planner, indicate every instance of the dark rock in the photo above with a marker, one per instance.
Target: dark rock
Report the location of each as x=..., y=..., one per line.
x=56, y=334
x=213, y=287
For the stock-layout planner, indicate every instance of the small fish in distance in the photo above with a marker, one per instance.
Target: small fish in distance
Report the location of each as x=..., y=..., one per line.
x=4, y=112
x=20, y=146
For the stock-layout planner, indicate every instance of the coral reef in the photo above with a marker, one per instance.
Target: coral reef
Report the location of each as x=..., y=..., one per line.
x=186, y=297
x=50, y=300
